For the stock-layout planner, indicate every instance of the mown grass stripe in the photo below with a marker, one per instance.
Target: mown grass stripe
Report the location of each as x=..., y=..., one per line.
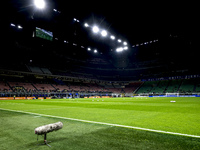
x=103, y=123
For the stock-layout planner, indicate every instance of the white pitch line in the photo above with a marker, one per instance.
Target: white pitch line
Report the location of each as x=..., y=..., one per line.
x=103, y=123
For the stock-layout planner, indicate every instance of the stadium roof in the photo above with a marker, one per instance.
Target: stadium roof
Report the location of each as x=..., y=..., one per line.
x=135, y=23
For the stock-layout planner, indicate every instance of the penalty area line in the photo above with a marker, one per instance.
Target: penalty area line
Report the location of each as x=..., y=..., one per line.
x=103, y=123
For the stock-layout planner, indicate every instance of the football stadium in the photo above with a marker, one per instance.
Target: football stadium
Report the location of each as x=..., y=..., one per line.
x=81, y=75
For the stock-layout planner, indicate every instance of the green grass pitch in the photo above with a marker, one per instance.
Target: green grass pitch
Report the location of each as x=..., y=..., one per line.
x=19, y=118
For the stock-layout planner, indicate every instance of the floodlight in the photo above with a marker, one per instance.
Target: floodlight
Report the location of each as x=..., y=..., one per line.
x=76, y=20
x=39, y=4
x=120, y=49
x=112, y=37
x=125, y=48
x=95, y=51
x=119, y=40
x=86, y=25
x=13, y=25
x=89, y=49
x=104, y=33
x=95, y=29
x=125, y=43
x=19, y=27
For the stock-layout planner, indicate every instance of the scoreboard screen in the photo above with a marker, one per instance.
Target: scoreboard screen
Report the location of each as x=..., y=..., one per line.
x=44, y=34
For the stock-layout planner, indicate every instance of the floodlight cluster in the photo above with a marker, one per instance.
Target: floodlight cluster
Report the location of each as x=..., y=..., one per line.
x=123, y=45
x=120, y=45
x=17, y=26
x=89, y=49
x=145, y=43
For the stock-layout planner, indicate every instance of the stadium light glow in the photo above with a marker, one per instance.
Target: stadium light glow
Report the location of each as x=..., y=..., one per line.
x=76, y=20
x=104, y=33
x=95, y=51
x=119, y=40
x=112, y=37
x=95, y=29
x=125, y=43
x=86, y=25
x=125, y=48
x=39, y=4
x=19, y=27
x=89, y=49
x=13, y=25
x=120, y=49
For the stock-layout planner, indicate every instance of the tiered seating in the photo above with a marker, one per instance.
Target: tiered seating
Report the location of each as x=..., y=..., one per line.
x=4, y=86
x=25, y=86
x=44, y=87
x=160, y=86
x=170, y=86
x=146, y=87
x=132, y=87
x=187, y=86
x=35, y=69
x=61, y=88
x=45, y=71
x=173, y=86
x=75, y=88
x=197, y=89
x=115, y=90
x=97, y=88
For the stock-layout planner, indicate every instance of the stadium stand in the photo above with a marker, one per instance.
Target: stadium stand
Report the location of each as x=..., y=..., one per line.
x=146, y=87
x=86, y=74
x=35, y=69
x=44, y=87
x=51, y=85
x=187, y=86
x=4, y=86
x=21, y=86
x=132, y=87
x=197, y=87
x=160, y=87
x=45, y=70
x=173, y=86
x=181, y=86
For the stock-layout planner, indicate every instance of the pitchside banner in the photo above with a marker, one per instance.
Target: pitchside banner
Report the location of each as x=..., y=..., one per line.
x=175, y=96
